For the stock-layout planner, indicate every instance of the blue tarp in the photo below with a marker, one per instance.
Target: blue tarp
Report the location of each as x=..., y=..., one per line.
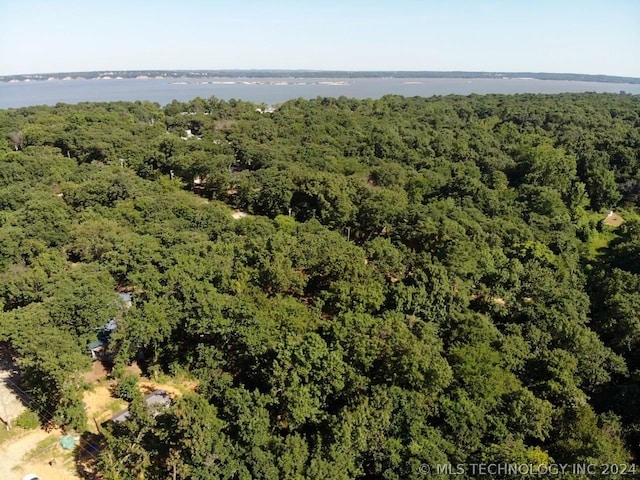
x=67, y=442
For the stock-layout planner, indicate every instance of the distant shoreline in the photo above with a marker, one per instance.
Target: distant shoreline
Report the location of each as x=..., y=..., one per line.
x=276, y=90
x=200, y=74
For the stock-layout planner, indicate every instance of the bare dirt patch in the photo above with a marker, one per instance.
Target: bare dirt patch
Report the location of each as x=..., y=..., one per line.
x=613, y=220
x=174, y=389
x=133, y=369
x=97, y=373
x=101, y=404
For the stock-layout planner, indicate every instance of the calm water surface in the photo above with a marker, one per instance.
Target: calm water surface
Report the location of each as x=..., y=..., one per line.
x=277, y=90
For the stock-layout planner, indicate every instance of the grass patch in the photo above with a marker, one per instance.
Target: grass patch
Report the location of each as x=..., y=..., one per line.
x=590, y=216
x=599, y=242
x=9, y=434
x=42, y=447
x=116, y=406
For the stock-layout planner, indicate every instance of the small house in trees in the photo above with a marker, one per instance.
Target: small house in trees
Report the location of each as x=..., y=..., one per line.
x=157, y=401
x=613, y=219
x=97, y=349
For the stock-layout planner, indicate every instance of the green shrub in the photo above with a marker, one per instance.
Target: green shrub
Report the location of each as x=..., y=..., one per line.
x=28, y=420
x=127, y=387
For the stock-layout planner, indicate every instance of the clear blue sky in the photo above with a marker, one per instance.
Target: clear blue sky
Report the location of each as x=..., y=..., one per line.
x=577, y=36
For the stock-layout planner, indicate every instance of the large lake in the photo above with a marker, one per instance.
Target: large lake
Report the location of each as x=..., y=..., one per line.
x=277, y=90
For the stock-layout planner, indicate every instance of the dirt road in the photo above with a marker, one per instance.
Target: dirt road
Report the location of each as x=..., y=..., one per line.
x=14, y=466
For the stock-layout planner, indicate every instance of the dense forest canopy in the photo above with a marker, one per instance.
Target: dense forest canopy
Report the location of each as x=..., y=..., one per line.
x=410, y=281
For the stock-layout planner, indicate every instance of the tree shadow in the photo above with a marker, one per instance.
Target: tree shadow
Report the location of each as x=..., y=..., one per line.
x=13, y=397
x=86, y=455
